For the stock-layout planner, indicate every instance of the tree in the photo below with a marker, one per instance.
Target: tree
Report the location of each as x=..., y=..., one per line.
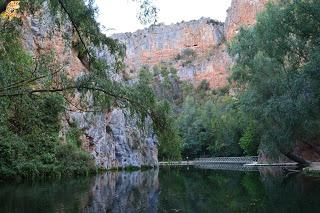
x=170, y=141
x=277, y=68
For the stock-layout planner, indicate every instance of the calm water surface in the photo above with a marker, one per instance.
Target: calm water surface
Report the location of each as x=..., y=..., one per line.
x=168, y=190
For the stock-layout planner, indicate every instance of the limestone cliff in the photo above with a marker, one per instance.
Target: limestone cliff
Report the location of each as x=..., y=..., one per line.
x=204, y=39
x=113, y=139
x=242, y=13
x=196, y=48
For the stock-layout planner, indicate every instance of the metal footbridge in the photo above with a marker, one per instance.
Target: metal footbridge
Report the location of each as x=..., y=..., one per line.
x=249, y=163
x=226, y=160
x=226, y=163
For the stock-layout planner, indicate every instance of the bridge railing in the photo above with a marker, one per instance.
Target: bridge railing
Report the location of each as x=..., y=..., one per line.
x=227, y=160
x=226, y=166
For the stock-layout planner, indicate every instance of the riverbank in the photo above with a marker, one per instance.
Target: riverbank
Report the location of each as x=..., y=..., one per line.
x=176, y=163
x=313, y=169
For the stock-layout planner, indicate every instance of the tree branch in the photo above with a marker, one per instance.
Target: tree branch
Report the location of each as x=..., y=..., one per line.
x=57, y=90
x=75, y=26
x=27, y=81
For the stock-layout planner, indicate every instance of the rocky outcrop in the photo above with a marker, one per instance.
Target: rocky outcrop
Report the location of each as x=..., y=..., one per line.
x=195, y=48
x=162, y=43
x=113, y=139
x=204, y=39
x=242, y=13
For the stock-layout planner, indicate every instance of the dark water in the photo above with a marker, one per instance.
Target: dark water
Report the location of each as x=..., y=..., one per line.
x=168, y=190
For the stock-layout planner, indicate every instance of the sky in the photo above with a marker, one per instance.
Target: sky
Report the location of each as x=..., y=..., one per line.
x=118, y=16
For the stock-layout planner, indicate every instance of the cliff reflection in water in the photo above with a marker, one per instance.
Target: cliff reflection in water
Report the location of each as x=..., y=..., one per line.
x=124, y=192
x=182, y=189
x=111, y=192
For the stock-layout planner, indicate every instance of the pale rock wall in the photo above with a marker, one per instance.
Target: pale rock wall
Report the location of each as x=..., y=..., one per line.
x=112, y=138
x=163, y=43
x=206, y=37
x=242, y=13
x=115, y=141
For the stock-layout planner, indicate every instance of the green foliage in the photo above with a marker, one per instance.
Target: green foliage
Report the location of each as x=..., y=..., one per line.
x=165, y=83
x=164, y=124
x=195, y=127
x=227, y=124
x=187, y=56
x=29, y=124
x=208, y=122
x=29, y=143
x=73, y=135
x=248, y=141
x=148, y=13
x=277, y=67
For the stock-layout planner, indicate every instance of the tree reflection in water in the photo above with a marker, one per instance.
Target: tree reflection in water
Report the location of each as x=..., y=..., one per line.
x=170, y=190
x=110, y=192
x=230, y=191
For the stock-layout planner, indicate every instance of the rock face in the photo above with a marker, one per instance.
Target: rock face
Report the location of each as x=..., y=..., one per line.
x=242, y=13
x=161, y=42
x=196, y=48
x=113, y=139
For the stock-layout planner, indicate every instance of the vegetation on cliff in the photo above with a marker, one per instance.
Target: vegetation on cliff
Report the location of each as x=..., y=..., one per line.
x=36, y=91
x=274, y=104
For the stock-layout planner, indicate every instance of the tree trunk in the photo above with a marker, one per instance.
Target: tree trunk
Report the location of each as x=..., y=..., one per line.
x=297, y=159
x=315, y=148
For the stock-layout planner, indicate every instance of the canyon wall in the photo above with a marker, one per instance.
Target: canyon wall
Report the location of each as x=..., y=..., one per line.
x=197, y=49
x=113, y=139
x=242, y=13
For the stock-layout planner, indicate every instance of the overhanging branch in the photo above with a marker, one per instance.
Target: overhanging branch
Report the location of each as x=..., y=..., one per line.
x=75, y=26
x=63, y=89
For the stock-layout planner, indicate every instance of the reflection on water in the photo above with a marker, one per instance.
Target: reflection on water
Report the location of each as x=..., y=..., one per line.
x=124, y=192
x=267, y=190
x=170, y=190
x=111, y=192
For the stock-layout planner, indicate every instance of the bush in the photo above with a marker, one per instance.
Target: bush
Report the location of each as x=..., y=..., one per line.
x=248, y=141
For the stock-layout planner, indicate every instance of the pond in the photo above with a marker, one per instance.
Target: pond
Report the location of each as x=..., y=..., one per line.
x=179, y=189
